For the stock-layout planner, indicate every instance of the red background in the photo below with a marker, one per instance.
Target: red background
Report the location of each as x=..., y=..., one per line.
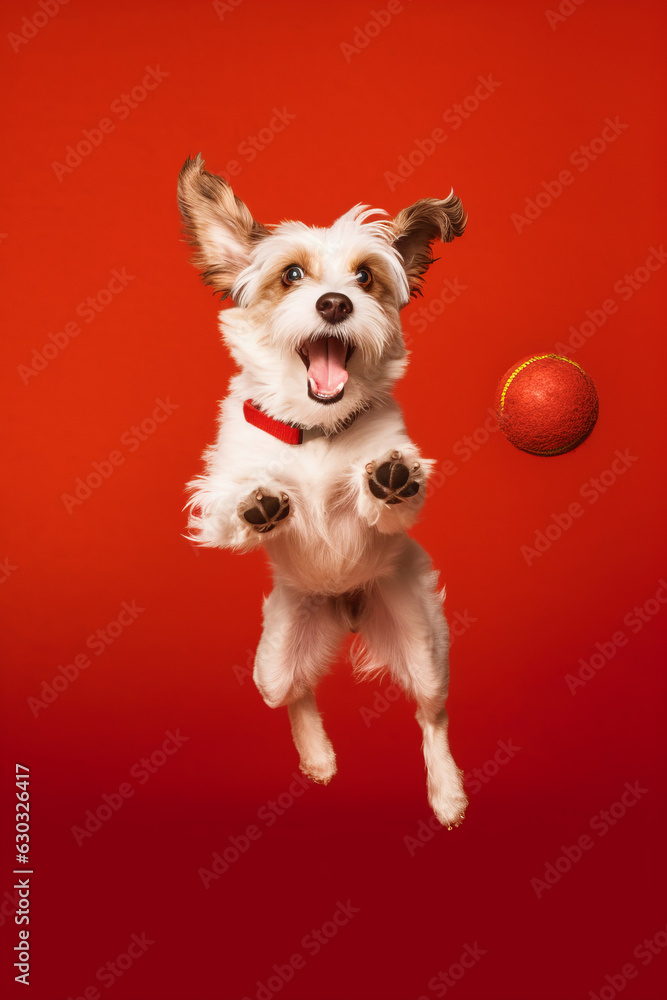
x=172, y=668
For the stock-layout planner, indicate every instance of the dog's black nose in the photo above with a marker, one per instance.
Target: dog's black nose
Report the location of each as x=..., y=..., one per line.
x=333, y=307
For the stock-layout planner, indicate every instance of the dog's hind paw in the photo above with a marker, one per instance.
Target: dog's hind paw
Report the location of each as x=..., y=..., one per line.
x=262, y=512
x=321, y=768
x=450, y=810
x=393, y=481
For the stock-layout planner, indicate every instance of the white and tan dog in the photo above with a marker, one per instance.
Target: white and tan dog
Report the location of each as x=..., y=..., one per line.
x=313, y=460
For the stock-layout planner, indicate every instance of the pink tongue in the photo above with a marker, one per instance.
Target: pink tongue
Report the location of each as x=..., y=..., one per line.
x=327, y=364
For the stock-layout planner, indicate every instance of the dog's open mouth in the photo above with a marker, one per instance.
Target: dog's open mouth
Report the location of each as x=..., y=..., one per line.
x=326, y=361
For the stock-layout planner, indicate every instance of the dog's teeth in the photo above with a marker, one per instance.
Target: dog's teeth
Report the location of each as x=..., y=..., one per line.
x=324, y=395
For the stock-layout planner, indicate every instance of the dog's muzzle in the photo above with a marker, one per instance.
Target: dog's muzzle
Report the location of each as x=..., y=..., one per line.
x=325, y=357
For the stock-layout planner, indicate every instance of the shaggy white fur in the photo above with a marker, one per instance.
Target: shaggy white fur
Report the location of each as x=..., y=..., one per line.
x=317, y=337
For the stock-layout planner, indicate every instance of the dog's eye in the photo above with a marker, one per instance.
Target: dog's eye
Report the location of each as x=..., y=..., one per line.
x=293, y=273
x=364, y=277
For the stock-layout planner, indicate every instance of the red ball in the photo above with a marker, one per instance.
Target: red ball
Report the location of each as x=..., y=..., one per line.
x=546, y=404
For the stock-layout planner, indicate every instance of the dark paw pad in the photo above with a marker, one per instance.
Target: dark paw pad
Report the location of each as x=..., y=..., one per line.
x=393, y=481
x=266, y=511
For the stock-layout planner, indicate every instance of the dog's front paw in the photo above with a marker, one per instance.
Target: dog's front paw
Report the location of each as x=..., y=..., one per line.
x=262, y=512
x=393, y=481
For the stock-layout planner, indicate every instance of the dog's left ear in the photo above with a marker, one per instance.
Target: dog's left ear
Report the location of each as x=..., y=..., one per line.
x=217, y=224
x=416, y=227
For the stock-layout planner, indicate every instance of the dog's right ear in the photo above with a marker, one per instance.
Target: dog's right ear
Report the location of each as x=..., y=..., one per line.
x=217, y=223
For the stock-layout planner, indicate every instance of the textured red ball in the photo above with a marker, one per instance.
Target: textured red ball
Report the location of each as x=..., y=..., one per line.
x=546, y=404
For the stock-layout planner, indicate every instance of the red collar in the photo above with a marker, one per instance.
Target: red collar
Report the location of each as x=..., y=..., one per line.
x=289, y=433
x=278, y=428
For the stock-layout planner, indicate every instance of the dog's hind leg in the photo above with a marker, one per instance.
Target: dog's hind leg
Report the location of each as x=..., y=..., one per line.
x=316, y=755
x=301, y=636
x=404, y=629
